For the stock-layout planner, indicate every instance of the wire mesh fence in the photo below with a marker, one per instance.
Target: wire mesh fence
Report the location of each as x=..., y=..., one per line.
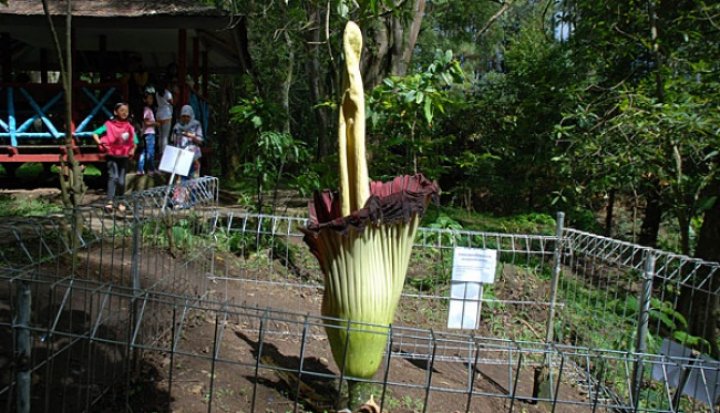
x=614, y=290
x=60, y=315
x=107, y=340
x=165, y=308
x=273, y=253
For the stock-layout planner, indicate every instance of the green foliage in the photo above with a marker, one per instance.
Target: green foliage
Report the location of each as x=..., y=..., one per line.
x=402, y=112
x=12, y=206
x=530, y=223
x=537, y=122
x=273, y=154
x=642, y=118
x=443, y=221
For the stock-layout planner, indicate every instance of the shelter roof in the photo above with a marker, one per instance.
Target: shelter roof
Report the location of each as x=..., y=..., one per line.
x=113, y=8
x=147, y=30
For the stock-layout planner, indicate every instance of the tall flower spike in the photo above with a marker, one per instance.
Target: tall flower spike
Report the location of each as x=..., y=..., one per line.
x=354, y=181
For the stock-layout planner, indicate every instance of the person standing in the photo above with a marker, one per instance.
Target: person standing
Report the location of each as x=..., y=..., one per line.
x=147, y=156
x=188, y=134
x=163, y=116
x=119, y=144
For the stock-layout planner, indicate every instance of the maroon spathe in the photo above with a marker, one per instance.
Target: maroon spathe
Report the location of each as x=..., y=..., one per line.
x=389, y=203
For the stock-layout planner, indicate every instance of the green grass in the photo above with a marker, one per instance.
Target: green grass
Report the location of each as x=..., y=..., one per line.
x=533, y=223
x=10, y=206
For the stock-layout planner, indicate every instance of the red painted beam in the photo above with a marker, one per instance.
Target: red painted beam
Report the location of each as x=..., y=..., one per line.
x=49, y=158
x=47, y=153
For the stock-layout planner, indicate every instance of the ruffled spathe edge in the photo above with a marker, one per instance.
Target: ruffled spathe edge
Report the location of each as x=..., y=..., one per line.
x=389, y=203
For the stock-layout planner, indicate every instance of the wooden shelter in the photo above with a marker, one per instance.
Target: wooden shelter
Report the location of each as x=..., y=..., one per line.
x=119, y=46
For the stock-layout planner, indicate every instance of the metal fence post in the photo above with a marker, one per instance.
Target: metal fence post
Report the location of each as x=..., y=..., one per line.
x=643, y=322
x=135, y=274
x=135, y=263
x=557, y=261
x=22, y=338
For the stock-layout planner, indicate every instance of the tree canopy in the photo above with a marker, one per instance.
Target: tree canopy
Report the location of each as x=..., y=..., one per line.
x=512, y=106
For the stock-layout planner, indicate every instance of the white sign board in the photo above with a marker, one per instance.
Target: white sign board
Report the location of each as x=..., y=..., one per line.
x=472, y=267
x=464, y=312
x=176, y=160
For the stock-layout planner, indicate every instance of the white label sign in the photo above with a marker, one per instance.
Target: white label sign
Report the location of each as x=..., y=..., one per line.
x=177, y=160
x=464, y=311
x=472, y=268
x=474, y=265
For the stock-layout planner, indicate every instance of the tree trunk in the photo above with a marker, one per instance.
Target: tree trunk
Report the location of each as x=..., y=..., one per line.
x=373, y=63
x=609, y=213
x=390, y=42
x=289, y=68
x=229, y=148
x=653, y=209
x=287, y=83
x=72, y=184
x=406, y=38
x=243, y=45
x=323, y=143
x=684, y=224
x=651, y=222
x=700, y=307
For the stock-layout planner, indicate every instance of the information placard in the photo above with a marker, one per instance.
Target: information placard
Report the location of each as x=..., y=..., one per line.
x=176, y=160
x=465, y=305
x=472, y=267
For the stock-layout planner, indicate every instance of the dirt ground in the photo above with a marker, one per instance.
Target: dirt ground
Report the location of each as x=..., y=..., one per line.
x=239, y=387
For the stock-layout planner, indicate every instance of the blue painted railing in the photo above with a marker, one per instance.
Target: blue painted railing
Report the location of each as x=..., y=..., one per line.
x=9, y=128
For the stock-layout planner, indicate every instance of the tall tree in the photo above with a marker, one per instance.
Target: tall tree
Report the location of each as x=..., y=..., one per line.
x=700, y=306
x=391, y=36
x=72, y=184
x=317, y=88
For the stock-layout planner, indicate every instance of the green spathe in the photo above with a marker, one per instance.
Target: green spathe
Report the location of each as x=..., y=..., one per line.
x=364, y=276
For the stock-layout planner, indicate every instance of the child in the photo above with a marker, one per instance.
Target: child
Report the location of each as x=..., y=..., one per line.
x=119, y=143
x=164, y=99
x=148, y=135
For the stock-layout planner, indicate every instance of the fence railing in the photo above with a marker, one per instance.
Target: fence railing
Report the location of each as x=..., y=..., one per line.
x=72, y=287
x=112, y=331
x=617, y=284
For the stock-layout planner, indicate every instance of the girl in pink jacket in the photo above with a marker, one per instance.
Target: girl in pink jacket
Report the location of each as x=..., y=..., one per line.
x=119, y=144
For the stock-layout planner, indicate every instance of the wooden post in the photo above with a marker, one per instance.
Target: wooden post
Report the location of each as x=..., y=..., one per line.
x=73, y=48
x=43, y=66
x=196, y=63
x=5, y=41
x=182, y=65
x=102, y=48
x=205, y=74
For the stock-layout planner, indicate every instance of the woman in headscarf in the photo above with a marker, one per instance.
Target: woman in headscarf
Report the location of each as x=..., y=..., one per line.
x=188, y=134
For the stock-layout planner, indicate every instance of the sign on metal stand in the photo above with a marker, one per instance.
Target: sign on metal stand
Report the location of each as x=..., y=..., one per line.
x=472, y=268
x=175, y=161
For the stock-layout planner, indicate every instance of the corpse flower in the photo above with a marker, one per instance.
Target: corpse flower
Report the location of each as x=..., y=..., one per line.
x=363, y=235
